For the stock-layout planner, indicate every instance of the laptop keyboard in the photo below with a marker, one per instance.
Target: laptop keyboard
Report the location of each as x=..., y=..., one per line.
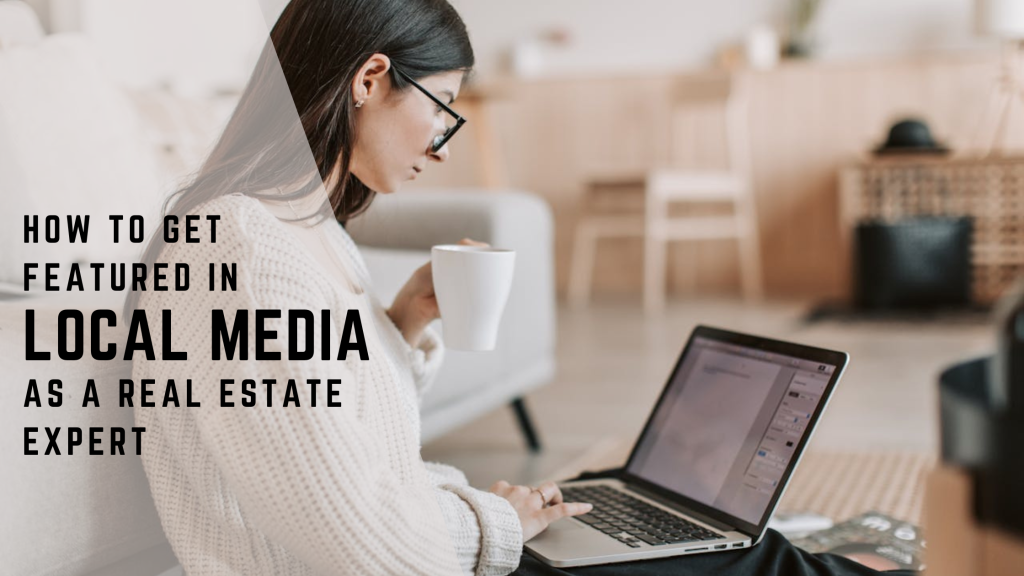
x=631, y=521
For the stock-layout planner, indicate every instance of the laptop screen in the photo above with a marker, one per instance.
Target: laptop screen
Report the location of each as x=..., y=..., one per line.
x=729, y=424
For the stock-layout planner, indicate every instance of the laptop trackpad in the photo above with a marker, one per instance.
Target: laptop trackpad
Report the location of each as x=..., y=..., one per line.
x=568, y=540
x=565, y=524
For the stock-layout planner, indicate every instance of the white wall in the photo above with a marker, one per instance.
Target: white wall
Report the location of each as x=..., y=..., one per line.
x=193, y=46
x=645, y=34
x=143, y=39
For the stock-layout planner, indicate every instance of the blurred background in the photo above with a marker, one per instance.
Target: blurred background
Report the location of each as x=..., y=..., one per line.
x=574, y=93
x=844, y=173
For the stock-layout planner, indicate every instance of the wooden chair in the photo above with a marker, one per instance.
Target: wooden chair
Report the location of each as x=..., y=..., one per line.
x=723, y=97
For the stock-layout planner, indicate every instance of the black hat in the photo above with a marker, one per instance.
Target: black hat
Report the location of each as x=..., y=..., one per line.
x=910, y=137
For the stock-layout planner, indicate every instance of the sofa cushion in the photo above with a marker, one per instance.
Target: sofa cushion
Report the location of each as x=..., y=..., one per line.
x=18, y=24
x=66, y=514
x=463, y=373
x=75, y=139
x=524, y=358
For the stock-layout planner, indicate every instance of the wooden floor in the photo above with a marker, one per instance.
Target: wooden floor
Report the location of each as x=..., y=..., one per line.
x=613, y=362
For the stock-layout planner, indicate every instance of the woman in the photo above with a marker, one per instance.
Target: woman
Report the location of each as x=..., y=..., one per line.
x=348, y=99
x=340, y=105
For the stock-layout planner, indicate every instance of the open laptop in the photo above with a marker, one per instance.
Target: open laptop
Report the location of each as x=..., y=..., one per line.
x=713, y=459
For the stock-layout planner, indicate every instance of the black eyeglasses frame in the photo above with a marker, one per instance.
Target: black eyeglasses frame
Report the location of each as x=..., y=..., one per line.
x=443, y=139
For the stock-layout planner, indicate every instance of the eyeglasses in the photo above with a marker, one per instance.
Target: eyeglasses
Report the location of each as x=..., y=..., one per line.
x=443, y=139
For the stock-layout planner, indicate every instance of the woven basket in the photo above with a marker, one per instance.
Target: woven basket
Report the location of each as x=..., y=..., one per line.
x=989, y=190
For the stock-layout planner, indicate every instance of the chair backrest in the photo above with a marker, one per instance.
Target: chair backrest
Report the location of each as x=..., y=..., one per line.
x=74, y=144
x=708, y=127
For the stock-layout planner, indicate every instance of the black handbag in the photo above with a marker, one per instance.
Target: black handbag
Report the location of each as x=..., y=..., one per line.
x=916, y=254
x=920, y=262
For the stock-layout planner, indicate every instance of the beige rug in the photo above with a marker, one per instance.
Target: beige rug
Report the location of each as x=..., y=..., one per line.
x=835, y=484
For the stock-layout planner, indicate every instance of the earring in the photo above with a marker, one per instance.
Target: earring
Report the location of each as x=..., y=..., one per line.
x=360, y=104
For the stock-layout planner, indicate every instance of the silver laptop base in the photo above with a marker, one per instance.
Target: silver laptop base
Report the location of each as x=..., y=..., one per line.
x=571, y=542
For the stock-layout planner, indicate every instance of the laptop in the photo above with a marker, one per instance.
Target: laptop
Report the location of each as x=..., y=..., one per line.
x=713, y=459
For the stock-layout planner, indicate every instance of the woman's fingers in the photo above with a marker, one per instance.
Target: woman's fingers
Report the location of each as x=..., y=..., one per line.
x=565, y=509
x=425, y=279
x=546, y=494
x=552, y=493
x=537, y=507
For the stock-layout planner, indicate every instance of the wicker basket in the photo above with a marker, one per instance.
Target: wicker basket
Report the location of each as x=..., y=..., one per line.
x=989, y=190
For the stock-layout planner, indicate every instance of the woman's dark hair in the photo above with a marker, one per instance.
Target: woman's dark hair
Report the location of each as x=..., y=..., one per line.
x=307, y=67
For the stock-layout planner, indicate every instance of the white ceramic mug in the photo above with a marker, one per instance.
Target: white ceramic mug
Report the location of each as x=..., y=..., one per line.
x=472, y=284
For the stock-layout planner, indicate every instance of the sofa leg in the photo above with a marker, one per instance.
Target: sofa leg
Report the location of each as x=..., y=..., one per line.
x=526, y=424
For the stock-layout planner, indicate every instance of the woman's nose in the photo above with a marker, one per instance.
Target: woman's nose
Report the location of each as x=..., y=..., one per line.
x=441, y=155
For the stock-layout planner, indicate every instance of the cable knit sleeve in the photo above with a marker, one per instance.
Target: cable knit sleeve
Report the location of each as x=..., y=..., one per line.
x=315, y=481
x=485, y=529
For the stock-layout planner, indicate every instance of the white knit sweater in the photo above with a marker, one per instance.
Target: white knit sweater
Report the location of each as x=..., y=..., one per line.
x=304, y=490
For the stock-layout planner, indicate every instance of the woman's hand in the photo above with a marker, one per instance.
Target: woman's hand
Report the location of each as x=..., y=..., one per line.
x=538, y=507
x=415, y=306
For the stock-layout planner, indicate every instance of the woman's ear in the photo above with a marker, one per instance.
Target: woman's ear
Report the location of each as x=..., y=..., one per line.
x=371, y=81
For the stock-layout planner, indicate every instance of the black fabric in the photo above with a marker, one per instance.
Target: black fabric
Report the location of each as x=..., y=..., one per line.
x=774, y=556
x=980, y=437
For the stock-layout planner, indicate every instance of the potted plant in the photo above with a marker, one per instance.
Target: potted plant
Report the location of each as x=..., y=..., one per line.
x=800, y=40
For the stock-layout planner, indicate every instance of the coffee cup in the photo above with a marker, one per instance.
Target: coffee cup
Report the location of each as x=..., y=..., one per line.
x=472, y=284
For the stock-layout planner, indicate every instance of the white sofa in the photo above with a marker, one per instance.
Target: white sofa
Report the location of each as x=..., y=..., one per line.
x=71, y=142
x=395, y=237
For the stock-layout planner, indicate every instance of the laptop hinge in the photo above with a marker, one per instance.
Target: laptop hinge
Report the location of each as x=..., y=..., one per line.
x=718, y=525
